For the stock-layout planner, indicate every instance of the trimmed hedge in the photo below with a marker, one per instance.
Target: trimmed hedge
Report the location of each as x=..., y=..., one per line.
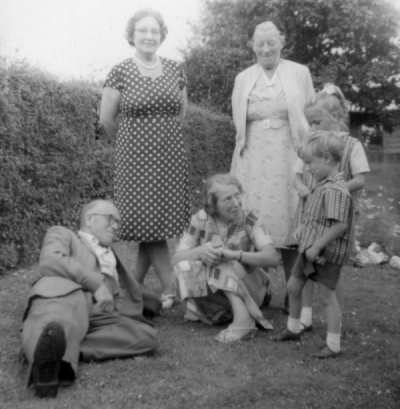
x=54, y=159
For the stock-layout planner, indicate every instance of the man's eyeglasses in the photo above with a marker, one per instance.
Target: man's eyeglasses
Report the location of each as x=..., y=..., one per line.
x=111, y=220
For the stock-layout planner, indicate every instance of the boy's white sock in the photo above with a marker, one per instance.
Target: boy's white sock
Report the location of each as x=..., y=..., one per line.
x=333, y=341
x=293, y=325
x=306, y=316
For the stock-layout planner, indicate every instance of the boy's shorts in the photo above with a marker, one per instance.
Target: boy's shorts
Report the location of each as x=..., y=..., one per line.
x=327, y=274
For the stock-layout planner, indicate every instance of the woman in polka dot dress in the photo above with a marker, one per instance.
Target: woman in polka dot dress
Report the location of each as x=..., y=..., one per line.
x=143, y=104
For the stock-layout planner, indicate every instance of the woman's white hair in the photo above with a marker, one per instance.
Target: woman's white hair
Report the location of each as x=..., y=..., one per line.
x=268, y=26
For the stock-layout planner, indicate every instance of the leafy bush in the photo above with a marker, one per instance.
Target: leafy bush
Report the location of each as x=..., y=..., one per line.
x=210, y=142
x=54, y=160
x=51, y=159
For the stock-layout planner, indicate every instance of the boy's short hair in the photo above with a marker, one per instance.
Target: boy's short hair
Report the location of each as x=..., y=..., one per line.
x=321, y=143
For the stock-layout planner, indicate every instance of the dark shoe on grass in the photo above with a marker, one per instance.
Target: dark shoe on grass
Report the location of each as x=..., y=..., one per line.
x=285, y=308
x=307, y=328
x=287, y=335
x=47, y=358
x=326, y=353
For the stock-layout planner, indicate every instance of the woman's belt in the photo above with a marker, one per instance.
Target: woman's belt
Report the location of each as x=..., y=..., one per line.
x=272, y=123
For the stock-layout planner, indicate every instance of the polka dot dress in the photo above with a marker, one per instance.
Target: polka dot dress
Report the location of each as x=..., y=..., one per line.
x=151, y=169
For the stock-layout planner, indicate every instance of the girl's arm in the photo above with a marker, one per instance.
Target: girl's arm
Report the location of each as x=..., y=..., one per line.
x=302, y=190
x=356, y=183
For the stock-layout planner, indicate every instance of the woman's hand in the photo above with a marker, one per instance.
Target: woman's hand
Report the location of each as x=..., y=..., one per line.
x=242, y=150
x=228, y=254
x=210, y=254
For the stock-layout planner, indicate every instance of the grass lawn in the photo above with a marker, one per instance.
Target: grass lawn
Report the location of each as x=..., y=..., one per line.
x=191, y=370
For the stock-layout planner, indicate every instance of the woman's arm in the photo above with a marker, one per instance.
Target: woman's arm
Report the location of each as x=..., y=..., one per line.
x=206, y=253
x=267, y=256
x=109, y=109
x=184, y=105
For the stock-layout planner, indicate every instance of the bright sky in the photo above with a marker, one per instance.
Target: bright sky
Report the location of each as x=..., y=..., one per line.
x=84, y=38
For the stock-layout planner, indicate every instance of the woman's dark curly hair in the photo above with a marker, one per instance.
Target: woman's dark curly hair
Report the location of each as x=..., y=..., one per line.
x=130, y=27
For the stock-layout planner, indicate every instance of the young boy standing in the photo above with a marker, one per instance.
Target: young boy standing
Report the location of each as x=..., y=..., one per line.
x=324, y=238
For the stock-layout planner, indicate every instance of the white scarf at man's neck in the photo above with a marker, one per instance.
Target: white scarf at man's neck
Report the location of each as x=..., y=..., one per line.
x=105, y=256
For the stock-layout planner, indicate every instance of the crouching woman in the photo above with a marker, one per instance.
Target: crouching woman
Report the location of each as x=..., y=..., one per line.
x=220, y=262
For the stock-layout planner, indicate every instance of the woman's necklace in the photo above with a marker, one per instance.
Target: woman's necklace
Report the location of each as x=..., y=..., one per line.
x=151, y=66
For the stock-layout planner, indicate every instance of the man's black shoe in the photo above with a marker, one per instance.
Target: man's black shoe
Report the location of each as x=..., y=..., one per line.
x=47, y=358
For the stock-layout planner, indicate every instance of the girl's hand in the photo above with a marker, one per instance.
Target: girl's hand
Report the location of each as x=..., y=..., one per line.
x=303, y=191
x=312, y=253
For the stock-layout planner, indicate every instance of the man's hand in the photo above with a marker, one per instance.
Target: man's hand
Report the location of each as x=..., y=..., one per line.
x=104, y=299
x=312, y=253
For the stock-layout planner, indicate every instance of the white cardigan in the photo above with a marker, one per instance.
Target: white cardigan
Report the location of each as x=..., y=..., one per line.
x=299, y=92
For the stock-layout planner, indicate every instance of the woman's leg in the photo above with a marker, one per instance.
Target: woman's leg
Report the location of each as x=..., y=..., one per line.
x=242, y=323
x=241, y=317
x=161, y=260
x=142, y=263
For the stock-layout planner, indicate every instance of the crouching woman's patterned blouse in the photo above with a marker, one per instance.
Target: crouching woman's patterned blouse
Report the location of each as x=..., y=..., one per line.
x=197, y=279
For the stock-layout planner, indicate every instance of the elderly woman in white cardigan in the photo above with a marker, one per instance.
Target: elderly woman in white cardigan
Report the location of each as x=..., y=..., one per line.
x=268, y=104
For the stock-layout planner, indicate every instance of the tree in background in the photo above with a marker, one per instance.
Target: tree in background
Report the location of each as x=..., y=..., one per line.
x=349, y=42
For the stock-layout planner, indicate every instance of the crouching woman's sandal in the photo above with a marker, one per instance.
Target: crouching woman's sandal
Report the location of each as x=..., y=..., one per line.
x=233, y=334
x=167, y=301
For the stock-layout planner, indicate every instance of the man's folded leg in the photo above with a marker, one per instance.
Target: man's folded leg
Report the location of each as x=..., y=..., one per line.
x=117, y=336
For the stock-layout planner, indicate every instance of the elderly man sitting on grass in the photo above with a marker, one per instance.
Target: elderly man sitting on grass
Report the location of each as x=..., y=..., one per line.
x=77, y=308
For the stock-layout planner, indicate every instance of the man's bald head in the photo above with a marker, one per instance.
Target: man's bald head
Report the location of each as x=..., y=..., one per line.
x=100, y=206
x=101, y=219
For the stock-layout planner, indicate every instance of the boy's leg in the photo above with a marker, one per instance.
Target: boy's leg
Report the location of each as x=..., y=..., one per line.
x=289, y=256
x=306, y=310
x=294, y=328
x=334, y=324
x=295, y=288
